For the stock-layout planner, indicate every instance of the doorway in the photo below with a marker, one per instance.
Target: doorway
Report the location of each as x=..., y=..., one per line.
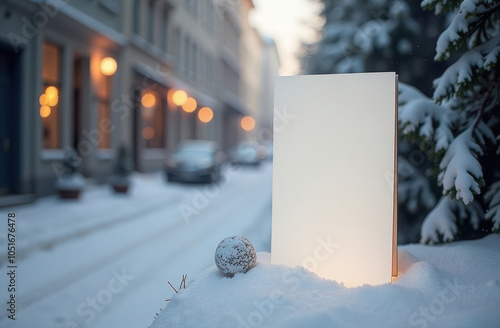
x=9, y=120
x=77, y=99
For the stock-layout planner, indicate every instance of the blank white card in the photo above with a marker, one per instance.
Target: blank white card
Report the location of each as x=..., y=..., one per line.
x=334, y=176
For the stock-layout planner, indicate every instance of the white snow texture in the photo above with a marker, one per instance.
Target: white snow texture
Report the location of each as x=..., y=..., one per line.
x=450, y=286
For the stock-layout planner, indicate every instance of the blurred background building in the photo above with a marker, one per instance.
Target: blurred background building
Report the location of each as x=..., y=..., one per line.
x=95, y=74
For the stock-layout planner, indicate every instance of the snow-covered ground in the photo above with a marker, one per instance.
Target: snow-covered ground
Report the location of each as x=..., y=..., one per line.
x=104, y=260
x=453, y=285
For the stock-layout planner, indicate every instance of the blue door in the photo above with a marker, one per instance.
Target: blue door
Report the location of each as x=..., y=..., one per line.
x=9, y=120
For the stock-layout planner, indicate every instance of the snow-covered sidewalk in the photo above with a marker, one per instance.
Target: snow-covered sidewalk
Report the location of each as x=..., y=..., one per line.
x=104, y=260
x=453, y=285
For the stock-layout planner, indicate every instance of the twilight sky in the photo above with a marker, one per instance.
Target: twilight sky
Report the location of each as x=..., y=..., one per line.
x=288, y=22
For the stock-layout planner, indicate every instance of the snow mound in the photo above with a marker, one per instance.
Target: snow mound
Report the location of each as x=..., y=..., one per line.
x=422, y=276
x=453, y=285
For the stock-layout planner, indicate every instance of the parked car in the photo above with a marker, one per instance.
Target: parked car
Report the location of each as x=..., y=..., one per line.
x=195, y=161
x=248, y=153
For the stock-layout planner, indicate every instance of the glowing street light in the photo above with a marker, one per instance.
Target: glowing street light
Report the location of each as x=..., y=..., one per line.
x=51, y=97
x=43, y=100
x=179, y=97
x=53, y=101
x=45, y=111
x=148, y=100
x=247, y=123
x=51, y=92
x=108, y=66
x=190, y=105
x=205, y=114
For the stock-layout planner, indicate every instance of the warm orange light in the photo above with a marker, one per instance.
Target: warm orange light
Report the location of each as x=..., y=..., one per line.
x=190, y=105
x=52, y=101
x=148, y=133
x=108, y=66
x=45, y=111
x=51, y=96
x=247, y=123
x=51, y=92
x=43, y=100
x=205, y=114
x=179, y=97
x=148, y=100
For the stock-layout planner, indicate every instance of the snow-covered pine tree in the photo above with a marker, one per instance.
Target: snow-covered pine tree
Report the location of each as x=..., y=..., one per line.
x=376, y=35
x=460, y=127
x=383, y=35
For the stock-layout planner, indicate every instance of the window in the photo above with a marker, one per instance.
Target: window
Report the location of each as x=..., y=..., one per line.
x=164, y=29
x=213, y=81
x=50, y=97
x=210, y=16
x=177, y=47
x=112, y=6
x=208, y=68
x=192, y=6
x=201, y=66
x=151, y=21
x=137, y=13
x=186, y=56
x=194, y=62
x=152, y=119
x=203, y=9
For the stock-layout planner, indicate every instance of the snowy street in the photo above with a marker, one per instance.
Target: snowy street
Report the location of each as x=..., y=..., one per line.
x=104, y=260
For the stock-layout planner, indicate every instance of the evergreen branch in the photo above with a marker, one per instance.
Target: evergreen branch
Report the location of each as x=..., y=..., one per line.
x=461, y=174
x=481, y=110
x=443, y=222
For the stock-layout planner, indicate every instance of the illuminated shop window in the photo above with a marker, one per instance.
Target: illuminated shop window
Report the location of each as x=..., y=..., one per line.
x=49, y=100
x=152, y=130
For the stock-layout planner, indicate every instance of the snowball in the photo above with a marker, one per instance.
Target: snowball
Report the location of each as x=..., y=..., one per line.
x=234, y=255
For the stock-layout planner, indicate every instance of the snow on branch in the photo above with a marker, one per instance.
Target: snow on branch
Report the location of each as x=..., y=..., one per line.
x=492, y=196
x=452, y=35
x=491, y=57
x=464, y=8
x=458, y=77
x=469, y=7
x=437, y=6
x=461, y=174
x=441, y=223
x=419, y=114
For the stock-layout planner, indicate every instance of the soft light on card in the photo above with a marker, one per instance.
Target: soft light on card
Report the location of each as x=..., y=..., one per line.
x=334, y=176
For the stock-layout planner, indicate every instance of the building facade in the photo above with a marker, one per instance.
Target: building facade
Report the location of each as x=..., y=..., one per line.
x=270, y=66
x=251, y=62
x=96, y=74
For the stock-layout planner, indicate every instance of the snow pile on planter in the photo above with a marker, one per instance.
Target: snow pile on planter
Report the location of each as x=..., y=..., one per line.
x=71, y=182
x=453, y=285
